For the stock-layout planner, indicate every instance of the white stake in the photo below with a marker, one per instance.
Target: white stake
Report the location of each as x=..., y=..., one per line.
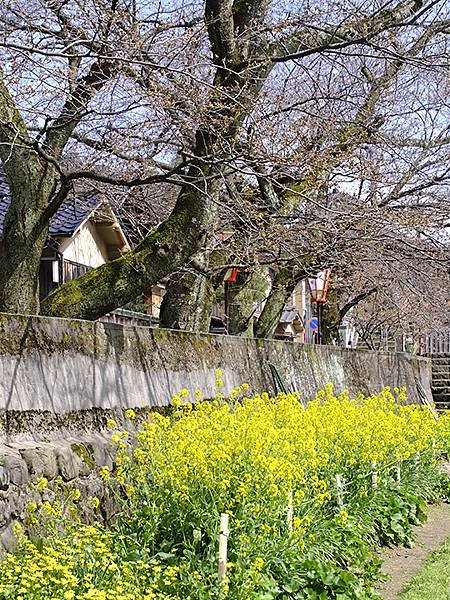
x=223, y=542
x=399, y=472
x=290, y=511
x=374, y=476
x=339, y=487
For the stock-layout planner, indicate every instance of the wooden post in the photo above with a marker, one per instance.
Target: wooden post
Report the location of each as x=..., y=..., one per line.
x=417, y=463
x=339, y=487
x=223, y=543
x=374, y=476
x=290, y=511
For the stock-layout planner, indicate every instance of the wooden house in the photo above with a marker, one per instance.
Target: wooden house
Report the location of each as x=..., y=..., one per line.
x=83, y=234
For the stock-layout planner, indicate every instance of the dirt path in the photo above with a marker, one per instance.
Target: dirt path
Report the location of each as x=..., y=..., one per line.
x=401, y=564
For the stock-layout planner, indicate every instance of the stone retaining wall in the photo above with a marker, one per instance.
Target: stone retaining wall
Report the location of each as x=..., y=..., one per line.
x=74, y=461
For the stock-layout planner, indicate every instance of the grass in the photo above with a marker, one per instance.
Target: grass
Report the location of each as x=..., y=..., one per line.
x=433, y=580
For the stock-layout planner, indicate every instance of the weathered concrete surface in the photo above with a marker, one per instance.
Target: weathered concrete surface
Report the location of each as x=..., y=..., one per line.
x=69, y=367
x=60, y=380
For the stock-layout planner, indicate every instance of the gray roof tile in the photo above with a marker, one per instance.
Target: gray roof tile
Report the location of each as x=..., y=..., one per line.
x=67, y=219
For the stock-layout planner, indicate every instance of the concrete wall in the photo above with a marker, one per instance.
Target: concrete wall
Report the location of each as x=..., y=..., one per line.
x=60, y=380
x=64, y=366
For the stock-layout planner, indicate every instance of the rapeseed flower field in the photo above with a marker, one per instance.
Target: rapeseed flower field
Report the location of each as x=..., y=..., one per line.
x=311, y=493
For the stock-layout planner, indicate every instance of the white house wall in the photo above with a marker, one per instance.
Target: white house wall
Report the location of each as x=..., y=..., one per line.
x=85, y=247
x=299, y=300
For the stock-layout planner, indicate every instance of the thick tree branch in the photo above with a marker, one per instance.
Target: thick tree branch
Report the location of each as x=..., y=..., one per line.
x=287, y=277
x=13, y=132
x=354, y=302
x=163, y=251
x=311, y=41
x=220, y=24
x=59, y=132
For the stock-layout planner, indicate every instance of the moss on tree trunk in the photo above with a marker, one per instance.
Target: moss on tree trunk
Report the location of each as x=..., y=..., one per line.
x=242, y=295
x=162, y=252
x=283, y=286
x=188, y=301
x=270, y=317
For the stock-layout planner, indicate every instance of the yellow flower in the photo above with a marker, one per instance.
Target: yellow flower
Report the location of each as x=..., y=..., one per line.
x=250, y=459
x=41, y=484
x=342, y=516
x=76, y=494
x=105, y=473
x=93, y=502
x=176, y=401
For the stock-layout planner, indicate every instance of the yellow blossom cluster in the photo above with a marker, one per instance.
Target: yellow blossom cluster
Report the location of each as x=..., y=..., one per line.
x=257, y=458
x=81, y=565
x=269, y=446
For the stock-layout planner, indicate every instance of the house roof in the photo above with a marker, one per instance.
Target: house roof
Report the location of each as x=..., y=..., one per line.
x=71, y=214
x=4, y=189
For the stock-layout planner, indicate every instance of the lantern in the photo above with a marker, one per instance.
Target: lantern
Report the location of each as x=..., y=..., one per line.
x=318, y=286
x=231, y=275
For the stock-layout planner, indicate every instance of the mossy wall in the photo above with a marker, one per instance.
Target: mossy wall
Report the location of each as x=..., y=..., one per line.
x=71, y=368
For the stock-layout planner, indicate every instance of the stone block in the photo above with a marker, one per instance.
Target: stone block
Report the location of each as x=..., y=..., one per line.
x=5, y=512
x=17, y=504
x=15, y=468
x=41, y=461
x=5, y=478
x=8, y=538
x=70, y=465
x=104, y=451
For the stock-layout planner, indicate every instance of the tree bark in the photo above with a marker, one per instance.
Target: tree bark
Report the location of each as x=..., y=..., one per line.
x=286, y=279
x=188, y=301
x=331, y=319
x=240, y=309
x=31, y=175
x=333, y=315
x=31, y=183
x=163, y=251
x=270, y=317
x=242, y=296
x=22, y=244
